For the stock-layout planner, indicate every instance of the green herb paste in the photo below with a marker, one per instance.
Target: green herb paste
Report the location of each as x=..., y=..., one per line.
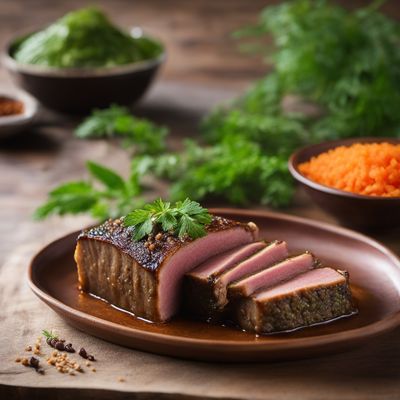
x=84, y=38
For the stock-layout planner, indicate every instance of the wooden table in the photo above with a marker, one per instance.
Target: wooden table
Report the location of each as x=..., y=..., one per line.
x=203, y=69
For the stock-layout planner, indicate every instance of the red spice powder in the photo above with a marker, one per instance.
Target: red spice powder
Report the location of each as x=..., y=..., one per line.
x=10, y=106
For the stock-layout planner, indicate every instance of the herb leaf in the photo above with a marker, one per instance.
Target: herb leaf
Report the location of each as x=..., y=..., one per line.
x=107, y=176
x=185, y=218
x=49, y=334
x=106, y=195
x=144, y=135
x=68, y=198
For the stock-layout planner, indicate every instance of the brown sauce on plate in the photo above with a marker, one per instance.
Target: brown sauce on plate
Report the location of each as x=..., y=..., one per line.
x=367, y=304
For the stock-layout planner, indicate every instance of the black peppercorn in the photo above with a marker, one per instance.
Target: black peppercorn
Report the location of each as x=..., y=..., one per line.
x=60, y=346
x=82, y=353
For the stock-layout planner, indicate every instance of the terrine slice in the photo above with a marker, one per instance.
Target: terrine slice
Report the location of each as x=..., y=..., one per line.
x=273, y=275
x=214, y=266
x=145, y=277
x=313, y=297
x=207, y=297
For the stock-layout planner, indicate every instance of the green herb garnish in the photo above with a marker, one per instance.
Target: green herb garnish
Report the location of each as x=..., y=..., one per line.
x=146, y=136
x=187, y=218
x=84, y=38
x=49, y=334
x=105, y=195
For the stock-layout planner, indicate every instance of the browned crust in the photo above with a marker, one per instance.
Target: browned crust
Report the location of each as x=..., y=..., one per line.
x=114, y=232
x=304, y=308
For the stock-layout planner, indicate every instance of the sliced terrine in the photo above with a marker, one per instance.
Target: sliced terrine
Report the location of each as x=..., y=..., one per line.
x=205, y=287
x=145, y=276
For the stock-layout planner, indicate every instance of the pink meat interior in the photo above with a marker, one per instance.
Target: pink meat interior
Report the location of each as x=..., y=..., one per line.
x=185, y=259
x=315, y=278
x=273, y=253
x=222, y=262
x=275, y=274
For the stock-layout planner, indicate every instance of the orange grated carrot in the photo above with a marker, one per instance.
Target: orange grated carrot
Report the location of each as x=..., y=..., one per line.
x=371, y=169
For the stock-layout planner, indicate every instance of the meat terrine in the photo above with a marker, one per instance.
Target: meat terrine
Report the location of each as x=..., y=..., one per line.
x=145, y=277
x=316, y=296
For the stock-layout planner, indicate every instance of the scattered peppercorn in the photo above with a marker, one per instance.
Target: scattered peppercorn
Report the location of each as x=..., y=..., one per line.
x=60, y=346
x=34, y=362
x=82, y=353
x=59, y=360
x=69, y=348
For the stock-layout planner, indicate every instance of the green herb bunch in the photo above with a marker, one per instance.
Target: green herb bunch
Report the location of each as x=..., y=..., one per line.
x=184, y=218
x=345, y=62
x=235, y=170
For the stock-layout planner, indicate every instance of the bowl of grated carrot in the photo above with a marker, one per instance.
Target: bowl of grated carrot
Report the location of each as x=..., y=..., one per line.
x=357, y=180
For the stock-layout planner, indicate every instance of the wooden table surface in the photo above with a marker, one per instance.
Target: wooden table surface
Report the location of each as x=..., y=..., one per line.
x=203, y=68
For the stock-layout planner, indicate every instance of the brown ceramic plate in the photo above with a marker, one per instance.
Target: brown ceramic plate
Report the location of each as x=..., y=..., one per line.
x=375, y=278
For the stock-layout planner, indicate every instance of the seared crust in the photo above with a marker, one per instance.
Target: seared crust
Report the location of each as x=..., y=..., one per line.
x=149, y=257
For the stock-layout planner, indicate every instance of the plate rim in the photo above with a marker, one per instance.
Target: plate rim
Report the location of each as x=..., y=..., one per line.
x=361, y=334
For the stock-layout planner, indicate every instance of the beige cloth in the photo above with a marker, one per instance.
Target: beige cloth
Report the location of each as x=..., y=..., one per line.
x=369, y=373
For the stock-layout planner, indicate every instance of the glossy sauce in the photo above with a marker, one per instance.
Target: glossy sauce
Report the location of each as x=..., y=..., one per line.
x=367, y=305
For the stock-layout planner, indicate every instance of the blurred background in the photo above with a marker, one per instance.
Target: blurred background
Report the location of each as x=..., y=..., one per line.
x=204, y=67
x=197, y=34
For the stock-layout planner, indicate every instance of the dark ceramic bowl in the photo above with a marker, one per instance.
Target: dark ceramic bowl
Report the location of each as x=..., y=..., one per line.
x=79, y=90
x=354, y=210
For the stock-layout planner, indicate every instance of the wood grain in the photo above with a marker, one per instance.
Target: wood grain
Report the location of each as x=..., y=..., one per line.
x=203, y=69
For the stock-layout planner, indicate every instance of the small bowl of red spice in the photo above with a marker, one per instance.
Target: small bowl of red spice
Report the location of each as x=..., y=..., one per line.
x=17, y=111
x=355, y=180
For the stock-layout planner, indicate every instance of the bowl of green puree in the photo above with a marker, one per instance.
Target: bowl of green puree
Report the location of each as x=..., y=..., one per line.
x=82, y=61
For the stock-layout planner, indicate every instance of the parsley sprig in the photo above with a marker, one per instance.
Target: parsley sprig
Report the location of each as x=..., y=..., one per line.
x=104, y=195
x=184, y=218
